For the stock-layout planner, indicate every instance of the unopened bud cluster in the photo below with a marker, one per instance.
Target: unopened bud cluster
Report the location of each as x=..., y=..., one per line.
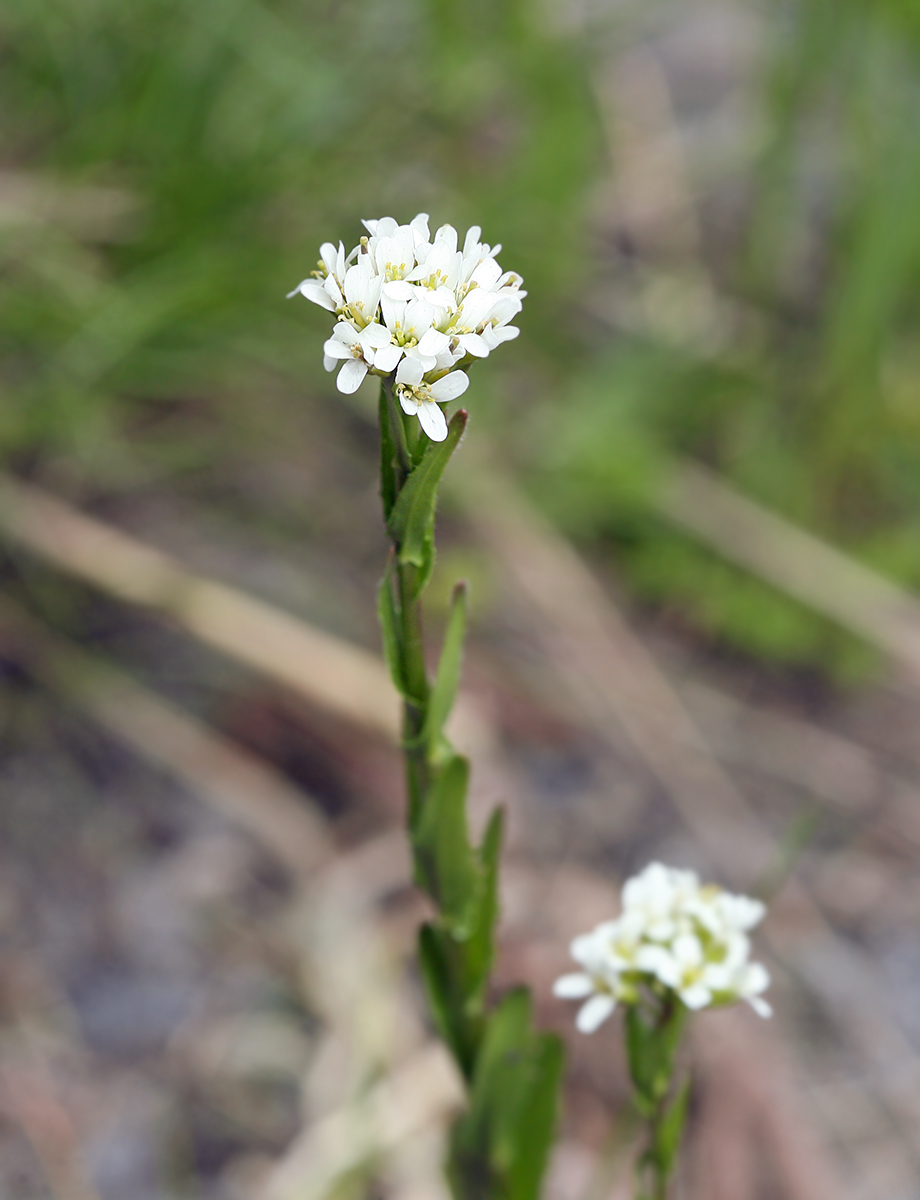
x=674, y=937
x=418, y=305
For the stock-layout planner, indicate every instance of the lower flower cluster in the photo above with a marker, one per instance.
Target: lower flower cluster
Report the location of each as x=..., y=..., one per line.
x=674, y=936
x=415, y=306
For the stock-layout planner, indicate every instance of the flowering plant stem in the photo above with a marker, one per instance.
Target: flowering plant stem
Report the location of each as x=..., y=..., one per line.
x=652, y=1041
x=499, y=1145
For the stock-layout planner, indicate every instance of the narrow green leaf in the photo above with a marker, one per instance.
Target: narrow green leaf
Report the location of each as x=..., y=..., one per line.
x=437, y=954
x=410, y=522
x=424, y=572
x=500, y=1146
x=388, y=456
x=480, y=946
x=536, y=1125
x=389, y=626
x=640, y=1039
x=667, y=1040
x=670, y=1129
x=444, y=692
x=446, y=866
x=484, y=1140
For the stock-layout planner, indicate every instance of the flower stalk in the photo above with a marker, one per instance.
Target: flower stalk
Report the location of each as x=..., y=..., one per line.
x=652, y=1044
x=499, y=1146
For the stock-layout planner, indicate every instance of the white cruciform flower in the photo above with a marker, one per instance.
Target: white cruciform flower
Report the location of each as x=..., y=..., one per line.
x=412, y=332
x=359, y=348
x=674, y=936
x=421, y=399
x=438, y=305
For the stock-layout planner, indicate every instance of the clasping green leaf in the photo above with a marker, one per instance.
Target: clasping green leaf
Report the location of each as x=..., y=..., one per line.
x=410, y=522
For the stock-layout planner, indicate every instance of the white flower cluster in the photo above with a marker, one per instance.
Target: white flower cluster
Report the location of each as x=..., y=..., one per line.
x=674, y=935
x=418, y=305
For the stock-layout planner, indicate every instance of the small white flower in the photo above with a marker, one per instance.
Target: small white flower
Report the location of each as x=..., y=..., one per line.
x=674, y=936
x=359, y=349
x=413, y=308
x=421, y=399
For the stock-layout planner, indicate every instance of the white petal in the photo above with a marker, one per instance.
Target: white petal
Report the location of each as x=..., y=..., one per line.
x=410, y=371
x=756, y=978
x=386, y=358
x=358, y=282
x=504, y=333
x=351, y=376
x=442, y=297
x=695, y=996
x=487, y=274
x=393, y=311
x=506, y=308
x=449, y=387
x=419, y=226
x=427, y=362
x=760, y=1006
x=473, y=344
x=329, y=362
x=374, y=335
x=573, y=987
x=409, y=403
x=432, y=420
x=336, y=348
x=472, y=239
x=420, y=316
x=329, y=255
x=447, y=234
x=399, y=290
x=476, y=308
x=433, y=342
x=594, y=1013
x=687, y=950
x=313, y=290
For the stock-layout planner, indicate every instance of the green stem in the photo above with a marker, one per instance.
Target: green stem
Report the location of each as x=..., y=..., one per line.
x=660, y=1176
x=408, y=610
x=652, y=1050
x=416, y=675
x=499, y=1145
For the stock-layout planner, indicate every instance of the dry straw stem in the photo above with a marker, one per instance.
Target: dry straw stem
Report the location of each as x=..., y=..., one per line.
x=93, y=213
x=340, y=677
x=423, y=1090
x=796, y=562
x=240, y=785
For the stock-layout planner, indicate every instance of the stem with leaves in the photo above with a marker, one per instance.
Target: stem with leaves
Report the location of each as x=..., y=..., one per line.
x=653, y=1038
x=500, y=1144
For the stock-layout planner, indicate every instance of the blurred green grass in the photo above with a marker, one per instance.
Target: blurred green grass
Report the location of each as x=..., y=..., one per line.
x=169, y=169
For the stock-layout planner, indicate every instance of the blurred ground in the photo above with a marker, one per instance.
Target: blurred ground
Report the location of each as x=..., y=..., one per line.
x=174, y=986
x=207, y=987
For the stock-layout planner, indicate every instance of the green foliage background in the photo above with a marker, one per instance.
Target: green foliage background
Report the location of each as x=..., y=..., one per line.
x=146, y=341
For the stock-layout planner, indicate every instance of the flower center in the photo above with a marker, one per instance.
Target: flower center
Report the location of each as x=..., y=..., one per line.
x=404, y=337
x=420, y=392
